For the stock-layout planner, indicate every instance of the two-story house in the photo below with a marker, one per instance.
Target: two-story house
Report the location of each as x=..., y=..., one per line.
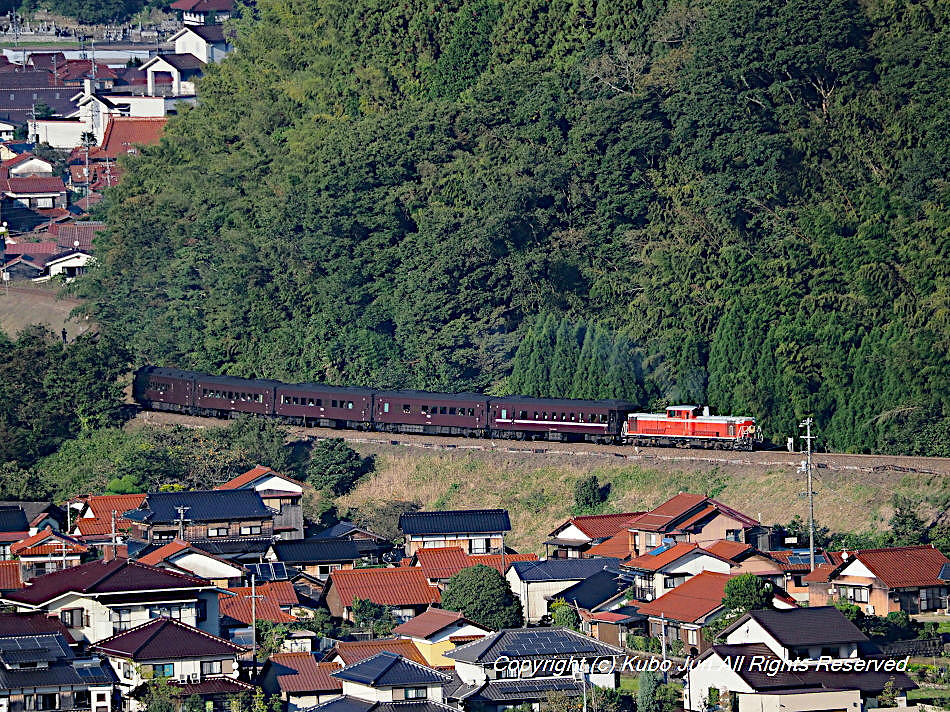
x=318, y=557
x=300, y=680
x=194, y=661
x=437, y=631
x=574, y=538
x=209, y=43
x=279, y=492
x=46, y=551
x=491, y=672
x=101, y=598
x=475, y=531
x=537, y=582
x=691, y=518
x=667, y=566
x=178, y=555
x=881, y=581
x=389, y=678
x=405, y=590
x=40, y=671
x=751, y=668
x=201, y=12
x=96, y=519
x=348, y=652
x=203, y=516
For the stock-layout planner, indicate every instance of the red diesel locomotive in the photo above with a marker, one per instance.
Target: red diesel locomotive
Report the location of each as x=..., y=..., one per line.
x=423, y=412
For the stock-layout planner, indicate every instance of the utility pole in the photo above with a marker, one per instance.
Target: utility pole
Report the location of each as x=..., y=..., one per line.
x=254, y=598
x=181, y=520
x=808, y=437
x=112, y=536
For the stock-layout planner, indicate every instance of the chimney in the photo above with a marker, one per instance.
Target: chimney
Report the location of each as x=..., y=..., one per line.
x=87, y=86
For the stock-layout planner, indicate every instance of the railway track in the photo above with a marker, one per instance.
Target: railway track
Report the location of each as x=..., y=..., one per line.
x=761, y=458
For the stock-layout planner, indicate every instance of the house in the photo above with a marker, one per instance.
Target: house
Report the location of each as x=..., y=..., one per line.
x=537, y=582
x=406, y=590
x=681, y=614
x=389, y=678
x=178, y=555
x=96, y=517
x=73, y=72
x=352, y=651
x=796, y=565
x=348, y=530
x=32, y=624
x=601, y=603
x=480, y=682
x=77, y=235
x=577, y=535
x=476, y=531
x=799, y=645
x=201, y=12
x=209, y=43
x=664, y=568
x=21, y=91
x=47, y=551
x=439, y=565
x=39, y=514
x=184, y=70
x=101, y=598
x=239, y=608
x=40, y=671
x=317, y=557
x=300, y=680
x=201, y=515
x=882, y=581
x=280, y=493
x=26, y=165
x=14, y=527
x=691, y=518
x=45, y=60
x=194, y=661
x=435, y=632
x=746, y=559
x=7, y=130
x=35, y=191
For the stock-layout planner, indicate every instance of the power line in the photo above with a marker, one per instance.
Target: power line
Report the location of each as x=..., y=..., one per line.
x=806, y=465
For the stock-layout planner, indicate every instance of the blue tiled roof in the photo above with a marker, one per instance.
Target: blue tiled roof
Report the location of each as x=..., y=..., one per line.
x=13, y=519
x=201, y=506
x=387, y=669
x=594, y=590
x=463, y=521
x=944, y=574
x=316, y=550
x=562, y=569
x=519, y=643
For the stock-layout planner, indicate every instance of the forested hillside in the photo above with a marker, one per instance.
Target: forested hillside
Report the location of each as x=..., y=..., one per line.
x=744, y=201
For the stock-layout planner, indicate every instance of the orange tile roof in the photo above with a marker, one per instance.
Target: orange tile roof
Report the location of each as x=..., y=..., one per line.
x=402, y=586
x=727, y=549
x=655, y=562
x=102, y=507
x=123, y=133
x=162, y=553
x=354, y=651
x=282, y=593
x=902, y=566
x=442, y=562
x=428, y=623
x=494, y=560
x=600, y=526
x=242, y=608
x=253, y=474
x=617, y=546
x=300, y=672
x=10, y=576
x=821, y=574
x=678, y=512
x=34, y=545
x=690, y=601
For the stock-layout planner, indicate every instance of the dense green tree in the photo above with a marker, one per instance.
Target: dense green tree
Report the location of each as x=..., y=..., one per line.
x=907, y=528
x=563, y=615
x=368, y=615
x=483, y=595
x=648, y=688
x=746, y=592
x=335, y=467
x=587, y=495
x=739, y=203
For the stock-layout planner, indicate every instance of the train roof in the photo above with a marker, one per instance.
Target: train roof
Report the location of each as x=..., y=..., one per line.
x=171, y=372
x=566, y=402
x=327, y=388
x=236, y=381
x=695, y=419
x=433, y=395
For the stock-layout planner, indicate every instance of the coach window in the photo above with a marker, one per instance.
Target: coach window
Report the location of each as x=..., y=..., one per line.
x=580, y=417
x=471, y=412
x=443, y=410
x=563, y=416
x=451, y=411
x=319, y=402
x=425, y=410
x=406, y=409
x=504, y=413
x=385, y=407
x=310, y=402
x=572, y=417
x=349, y=405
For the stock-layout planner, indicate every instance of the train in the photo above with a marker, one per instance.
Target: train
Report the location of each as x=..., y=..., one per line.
x=427, y=413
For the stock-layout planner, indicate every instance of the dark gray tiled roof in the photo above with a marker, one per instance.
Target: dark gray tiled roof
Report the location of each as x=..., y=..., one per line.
x=527, y=690
x=821, y=625
x=519, y=643
x=228, y=546
x=353, y=704
x=388, y=669
x=464, y=521
x=201, y=506
x=63, y=669
x=594, y=590
x=563, y=569
x=13, y=519
x=316, y=550
x=343, y=704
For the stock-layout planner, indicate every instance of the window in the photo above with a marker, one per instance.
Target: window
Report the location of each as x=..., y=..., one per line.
x=651, y=539
x=854, y=594
x=349, y=405
x=417, y=693
x=504, y=413
x=471, y=412
x=44, y=202
x=333, y=403
x=166, y=670
x=451, y=411
x=443, y=410
x=202, y=610
x=250, y=530
x=211, y=667
x=82, y=699
x=692, y=636
x=165, y=612
x=121, y=620
x=733, y=534
x=385, y=407
x=405, y=408
x=523, y=415
x=218, y=531
x=48, y=701
x=71, y=617
x=481, y=546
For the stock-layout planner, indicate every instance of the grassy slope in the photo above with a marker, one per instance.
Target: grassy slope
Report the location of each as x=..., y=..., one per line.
x=538, y=489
